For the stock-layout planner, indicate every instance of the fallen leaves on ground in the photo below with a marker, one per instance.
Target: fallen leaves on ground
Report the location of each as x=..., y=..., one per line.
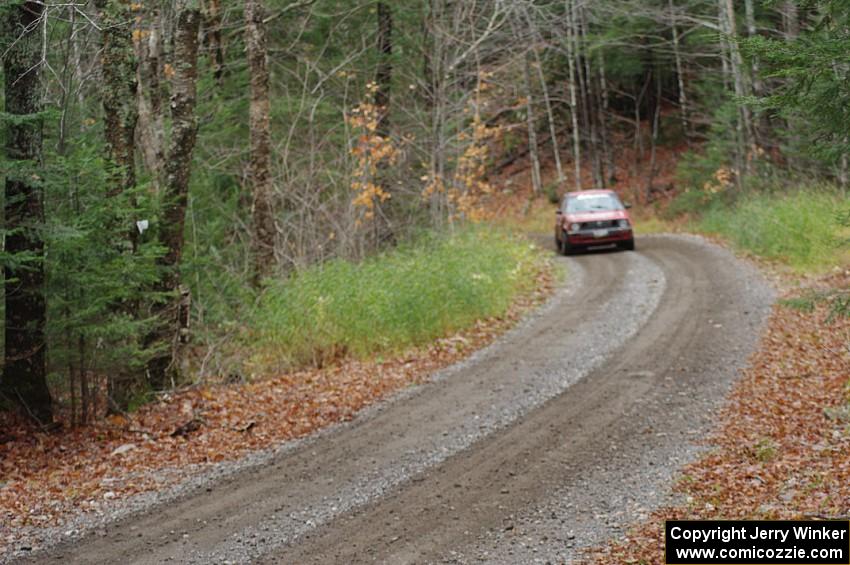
x=47, y=477
x=782, y=449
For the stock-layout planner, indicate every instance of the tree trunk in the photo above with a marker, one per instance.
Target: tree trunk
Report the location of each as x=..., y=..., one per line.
x=756, y=84
x=536, y=181
x=170, y=332
x=436, y=101
x=610, y=171
x=550, y=117
x=637, y=145
x=118, y=94
x=25, y=372
x=745, y=128
x=571, y=54
x=384, y=74
x=212, y=38
x=790, y=19
x=547, y=101
x=259, y=168
x=151, y=127
x=590, y=101
x=656, y=122
x=680, y=75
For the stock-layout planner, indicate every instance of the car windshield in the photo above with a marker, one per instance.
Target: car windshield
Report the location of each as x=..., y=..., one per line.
x=593, y=203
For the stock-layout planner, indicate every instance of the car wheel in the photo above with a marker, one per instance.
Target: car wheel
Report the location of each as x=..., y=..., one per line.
x=628, y=245
x=566, y=248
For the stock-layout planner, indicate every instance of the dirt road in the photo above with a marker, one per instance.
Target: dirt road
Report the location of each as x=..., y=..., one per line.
x=553, y=438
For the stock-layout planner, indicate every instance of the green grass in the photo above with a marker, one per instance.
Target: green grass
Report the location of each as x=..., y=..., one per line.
x=801, y=229
x=407, y=297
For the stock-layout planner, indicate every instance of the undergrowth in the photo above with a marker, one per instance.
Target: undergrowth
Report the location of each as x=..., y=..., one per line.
x=421, y=291
x=802, y=229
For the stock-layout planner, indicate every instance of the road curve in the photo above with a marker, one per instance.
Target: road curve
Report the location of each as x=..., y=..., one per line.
x=551, y=439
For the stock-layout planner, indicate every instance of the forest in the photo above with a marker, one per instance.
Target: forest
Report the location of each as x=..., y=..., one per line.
x=190, y=180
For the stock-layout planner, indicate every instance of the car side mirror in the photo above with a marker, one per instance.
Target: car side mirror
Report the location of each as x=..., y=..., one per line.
x=627, y=206
x=558, y=212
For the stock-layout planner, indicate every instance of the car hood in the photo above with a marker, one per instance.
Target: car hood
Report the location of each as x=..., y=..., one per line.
x=597, y=216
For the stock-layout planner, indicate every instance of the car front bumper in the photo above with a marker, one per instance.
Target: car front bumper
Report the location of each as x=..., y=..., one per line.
x=600, y=237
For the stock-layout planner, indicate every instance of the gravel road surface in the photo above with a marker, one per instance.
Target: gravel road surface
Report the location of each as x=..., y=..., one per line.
x=552, y=439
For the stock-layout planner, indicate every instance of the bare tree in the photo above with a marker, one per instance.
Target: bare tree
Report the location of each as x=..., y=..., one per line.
x=570, y=39
x=680, y=73
x=531, y=122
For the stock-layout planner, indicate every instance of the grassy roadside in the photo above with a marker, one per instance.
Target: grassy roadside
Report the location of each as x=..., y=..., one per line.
x=410, y=296
x=803, y=229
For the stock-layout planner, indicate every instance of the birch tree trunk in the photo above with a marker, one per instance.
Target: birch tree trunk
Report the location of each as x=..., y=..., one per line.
x=680, y=75
x=536, y=181
x=756, y=85
x=608, y=166
x=259, y=127
x=571, y=64
x=24, y=380
x=171, y=332
x=656, y=122
x=151, y=127
x=740, y=82
x=791, y=19
x=550, y=116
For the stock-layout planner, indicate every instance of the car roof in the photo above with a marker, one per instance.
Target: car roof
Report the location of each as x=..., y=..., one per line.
x=591, y=191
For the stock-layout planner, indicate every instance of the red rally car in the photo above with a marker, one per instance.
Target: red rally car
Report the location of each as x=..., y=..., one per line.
x=592, y=217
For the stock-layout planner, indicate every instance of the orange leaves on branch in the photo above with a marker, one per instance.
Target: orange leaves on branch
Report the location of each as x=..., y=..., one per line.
x=466, y=190
x=371, y=153
x=471, y=184
x=723, y=179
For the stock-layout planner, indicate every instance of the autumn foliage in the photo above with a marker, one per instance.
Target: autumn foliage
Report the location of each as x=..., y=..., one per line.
x=371, y=152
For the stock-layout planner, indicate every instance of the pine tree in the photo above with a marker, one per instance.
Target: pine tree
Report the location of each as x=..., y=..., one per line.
x=24, y=372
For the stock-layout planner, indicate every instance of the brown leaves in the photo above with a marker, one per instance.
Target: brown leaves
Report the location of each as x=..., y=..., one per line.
x=778, y=453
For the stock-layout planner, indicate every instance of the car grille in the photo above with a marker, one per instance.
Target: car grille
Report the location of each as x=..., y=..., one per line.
x=600, y=224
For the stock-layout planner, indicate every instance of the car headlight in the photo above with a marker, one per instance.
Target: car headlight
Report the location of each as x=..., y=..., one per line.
x=575, y=227
x=624, y=224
